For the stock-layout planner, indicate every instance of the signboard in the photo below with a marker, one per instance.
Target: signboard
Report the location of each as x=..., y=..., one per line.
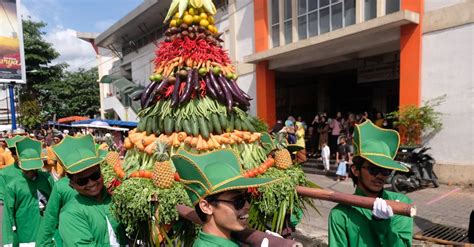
x=379, y=68
x=12, y=57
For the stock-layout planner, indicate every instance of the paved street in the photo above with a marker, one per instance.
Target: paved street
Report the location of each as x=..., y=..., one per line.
x=447, y=205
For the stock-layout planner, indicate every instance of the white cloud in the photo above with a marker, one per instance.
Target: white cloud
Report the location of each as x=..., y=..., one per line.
x=74, y=51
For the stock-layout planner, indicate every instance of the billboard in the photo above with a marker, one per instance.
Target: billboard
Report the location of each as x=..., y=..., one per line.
x=12, y=57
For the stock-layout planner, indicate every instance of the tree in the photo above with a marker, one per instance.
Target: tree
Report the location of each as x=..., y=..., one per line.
x=77, y=93
x=38, y=57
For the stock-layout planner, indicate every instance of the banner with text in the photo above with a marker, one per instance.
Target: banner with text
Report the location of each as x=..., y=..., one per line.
x=12, y=57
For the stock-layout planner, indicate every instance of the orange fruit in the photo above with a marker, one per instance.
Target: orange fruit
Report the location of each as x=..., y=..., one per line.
x=204, y=23
x=188, y=19
x=173, y=23
x=212, y=28
x=193, y=11
x=211, y=19
x=203, y=16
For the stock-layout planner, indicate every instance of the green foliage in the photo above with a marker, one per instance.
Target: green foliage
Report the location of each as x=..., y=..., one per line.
x=30, y=116
x=415, y=122
x=259, y=124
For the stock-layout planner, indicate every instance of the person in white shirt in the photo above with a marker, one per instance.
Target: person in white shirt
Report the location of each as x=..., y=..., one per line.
x=325, y=153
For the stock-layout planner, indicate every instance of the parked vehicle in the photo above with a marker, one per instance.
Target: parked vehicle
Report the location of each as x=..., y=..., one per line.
x=420, y=174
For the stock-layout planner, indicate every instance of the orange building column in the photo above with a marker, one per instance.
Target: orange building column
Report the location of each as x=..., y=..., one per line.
x=410, y=56
x=266, y=108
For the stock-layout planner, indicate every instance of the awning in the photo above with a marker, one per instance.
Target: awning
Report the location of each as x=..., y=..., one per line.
x=123, y=84
x=136, y=93
x=110, y=122
x=71, y=119
x=107, y=79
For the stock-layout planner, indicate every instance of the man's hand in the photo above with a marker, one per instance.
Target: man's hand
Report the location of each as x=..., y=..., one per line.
x=381, y=210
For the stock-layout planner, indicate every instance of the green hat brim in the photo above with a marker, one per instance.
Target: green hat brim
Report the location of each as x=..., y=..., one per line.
x=12, y=141
x=84, y=165
x=294, y=148
x=385, y=162
x=103, y=153
x=243, y=183
x=32, y=164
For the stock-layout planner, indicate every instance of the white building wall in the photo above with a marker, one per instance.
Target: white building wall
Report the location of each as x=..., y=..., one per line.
x=142, y=64
x=105, y=59
x=447, y=68
x=438, y=4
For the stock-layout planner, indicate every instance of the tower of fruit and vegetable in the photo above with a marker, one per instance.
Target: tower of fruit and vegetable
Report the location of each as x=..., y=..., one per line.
x=194, y=102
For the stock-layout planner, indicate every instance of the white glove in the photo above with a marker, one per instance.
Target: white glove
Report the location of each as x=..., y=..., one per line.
x=264, y=243
x=381, y=210
x=273, y=234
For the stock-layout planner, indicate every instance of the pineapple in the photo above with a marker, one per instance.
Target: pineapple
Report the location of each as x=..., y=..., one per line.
x=282, y=155
x=163, y=174
x=112, y=158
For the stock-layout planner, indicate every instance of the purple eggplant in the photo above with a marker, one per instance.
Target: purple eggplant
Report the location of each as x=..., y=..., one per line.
x=175, y=94
x=227, y=92
x=216, y=85
x=147, y=92
x=188, y=88
x=210, y=90
x=196, y=83
x=158, y=88
x=234, y=82
x=238, y=96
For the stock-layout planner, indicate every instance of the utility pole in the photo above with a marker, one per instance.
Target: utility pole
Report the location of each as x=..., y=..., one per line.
x=11, y=86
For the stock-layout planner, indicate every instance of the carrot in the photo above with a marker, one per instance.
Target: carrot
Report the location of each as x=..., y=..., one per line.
x=132, y=131
x=182, y=136
x=254, y=137
x=128, y=144
x=199, y=144
x=136, y=137
x=170, y=138
x=139, y=145
x=150, y=149
x=147, y=140
x=204, y=145
x=188, y=140
x=175, y=141
x=194, y=141
x=208, y=65
x=238, y=133
x=210, y=144
x=246, y=136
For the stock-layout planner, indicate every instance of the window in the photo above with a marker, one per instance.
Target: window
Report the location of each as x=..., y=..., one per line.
x=392, y=6
x=321, y=16
x=370, y=9
x=288, y=23
x=275, y=23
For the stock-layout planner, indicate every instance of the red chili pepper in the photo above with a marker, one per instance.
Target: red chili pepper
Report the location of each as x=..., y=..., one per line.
x=169, y=91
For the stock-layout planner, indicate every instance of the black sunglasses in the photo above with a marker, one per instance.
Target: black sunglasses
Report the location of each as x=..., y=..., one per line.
x=238, y=202
x=93, y=177
x=374, y=170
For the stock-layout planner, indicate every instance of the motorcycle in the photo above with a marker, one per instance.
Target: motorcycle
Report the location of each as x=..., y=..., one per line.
x=420, y=170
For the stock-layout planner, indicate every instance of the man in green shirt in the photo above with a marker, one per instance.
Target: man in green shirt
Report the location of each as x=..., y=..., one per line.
x=374, y=151
x=26, y=195
x=85, y=220
x=217, y=189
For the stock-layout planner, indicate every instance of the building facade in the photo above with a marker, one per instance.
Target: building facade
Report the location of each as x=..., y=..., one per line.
x=301, y=57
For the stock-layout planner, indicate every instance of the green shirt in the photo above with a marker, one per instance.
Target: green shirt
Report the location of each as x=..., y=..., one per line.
x=208, y=240
x=85, y=222
x=5, y=176
x=354, y=226
x=61, y=194
x=22, y=206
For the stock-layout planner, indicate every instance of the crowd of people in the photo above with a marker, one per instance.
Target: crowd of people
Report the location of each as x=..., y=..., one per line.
x=328, y=137
x=72, y=207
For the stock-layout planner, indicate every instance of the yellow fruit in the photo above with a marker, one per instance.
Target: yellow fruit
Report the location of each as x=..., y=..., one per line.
x=163, y=176
x=188, y=19
x=192, y=11
x=283, y=159
x=179, y=22
x=173, y=23
x=212, y=28
x=203, y=16
x=112, y=159
x=176, y=16
x=204, y=23
x=196, y=19
x=211, y=19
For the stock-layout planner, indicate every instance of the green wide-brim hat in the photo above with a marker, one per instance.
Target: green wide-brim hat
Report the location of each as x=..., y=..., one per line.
x=294, y=148
x=207, y=174
x=77, y=154
x=11, y=141
x=377, y=145
x=29, y=154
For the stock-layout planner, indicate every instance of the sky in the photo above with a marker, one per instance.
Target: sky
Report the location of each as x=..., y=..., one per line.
x=65, y=17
